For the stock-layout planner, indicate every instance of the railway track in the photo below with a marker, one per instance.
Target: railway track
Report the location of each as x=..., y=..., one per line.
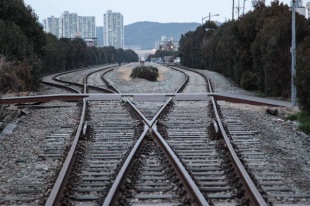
x=112, y=135
x=187, y=131
x=162, y=152
x=266, y=175
x=78, y=84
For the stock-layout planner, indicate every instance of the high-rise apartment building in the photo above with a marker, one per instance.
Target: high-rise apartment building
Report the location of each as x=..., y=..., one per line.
x=86, y=27
x=69, y=25
x=113, y=32
x=99, y=33
x=308, y=9
x=51, y=25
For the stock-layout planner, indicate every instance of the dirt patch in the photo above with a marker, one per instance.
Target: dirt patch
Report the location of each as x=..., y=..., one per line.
x=283, y=112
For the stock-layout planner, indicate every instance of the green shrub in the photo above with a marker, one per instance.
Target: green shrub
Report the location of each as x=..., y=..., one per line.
x=304, y=119
x=292, y=117
x=248, y=80
x=145, y=72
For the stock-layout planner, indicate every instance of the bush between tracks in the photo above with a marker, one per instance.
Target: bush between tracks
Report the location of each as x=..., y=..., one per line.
x=145, y=72
x=303, y=118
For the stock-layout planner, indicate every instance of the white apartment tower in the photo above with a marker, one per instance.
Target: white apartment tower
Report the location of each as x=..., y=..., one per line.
x=86, y=27
x=308, y=9
x=51, y=25
x=113, y=31
x=69, y=25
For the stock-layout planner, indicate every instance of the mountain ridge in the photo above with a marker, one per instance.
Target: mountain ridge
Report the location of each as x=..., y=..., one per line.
x=144, y=34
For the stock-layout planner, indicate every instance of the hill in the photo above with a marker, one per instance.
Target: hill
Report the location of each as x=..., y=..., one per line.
x=144, y=34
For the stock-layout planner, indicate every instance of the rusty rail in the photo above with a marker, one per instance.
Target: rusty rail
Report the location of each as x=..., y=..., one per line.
x=42, y=98
x=124, y=170
x=250, y=189
x=189, y=183
x=59, y=186
x=57, y=191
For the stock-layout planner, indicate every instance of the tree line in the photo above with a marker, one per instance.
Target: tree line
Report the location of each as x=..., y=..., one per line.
x=65, y=54
x=27, y=52
x=254, y=51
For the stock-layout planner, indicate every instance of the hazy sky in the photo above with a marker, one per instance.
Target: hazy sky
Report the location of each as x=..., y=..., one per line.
x=163, y=11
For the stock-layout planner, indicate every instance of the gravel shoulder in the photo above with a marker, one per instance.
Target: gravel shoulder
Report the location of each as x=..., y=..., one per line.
x=24, y=149
x=286, y=146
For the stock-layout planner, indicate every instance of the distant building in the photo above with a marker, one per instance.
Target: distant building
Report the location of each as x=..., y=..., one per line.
x=91, y=42
x=99, y=33
x=308, y=8
x=52, y=26
x=86, y=27
x=167, y=44
x=69, y=25
x=113, y=34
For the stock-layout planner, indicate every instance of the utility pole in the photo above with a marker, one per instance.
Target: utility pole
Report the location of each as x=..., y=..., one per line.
x=293, y=51
x=233, y=9
x=202, y=19
x=243, y=6
x=239, y=9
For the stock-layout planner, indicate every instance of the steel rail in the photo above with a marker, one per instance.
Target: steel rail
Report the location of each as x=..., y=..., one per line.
x=192, y=188
x=57, y=191
x=110, y=84
x=209, y=85
x=190, y=185
x=56, y=84
x=180, y=89
x=137, y=111
x=153, y=121
x=55, y=78
x=251, y=190
x=42, y=98
x=99, y=88
x=124, y=170
x=251, y=100
x=149, y=123
x=96, y=87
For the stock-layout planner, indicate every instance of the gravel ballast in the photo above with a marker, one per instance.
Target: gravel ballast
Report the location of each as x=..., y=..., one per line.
x=285, y=145
x=27, y=170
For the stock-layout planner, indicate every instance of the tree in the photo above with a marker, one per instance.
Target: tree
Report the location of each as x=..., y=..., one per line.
x=130, y=56
x=254, y=50
x=21, y=43
x=303, y=74
x=15, y=12
x=192, y=44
